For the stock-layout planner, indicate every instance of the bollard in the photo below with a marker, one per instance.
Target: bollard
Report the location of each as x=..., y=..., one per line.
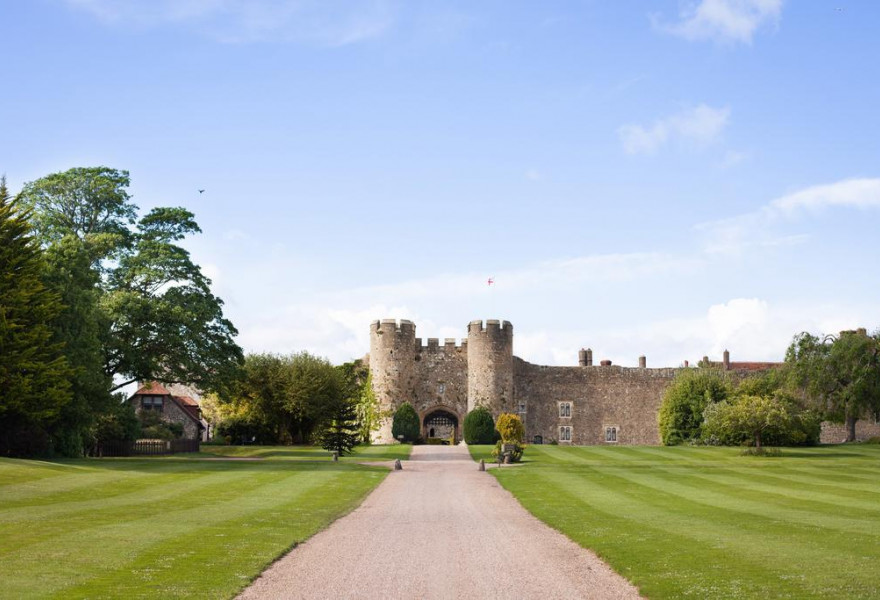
x=482, y=465
x=397, y=465
x=335, y=456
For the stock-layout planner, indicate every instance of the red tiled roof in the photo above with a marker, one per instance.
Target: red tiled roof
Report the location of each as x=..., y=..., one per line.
x=754, y=366
x=187, y=400
x=152, y=389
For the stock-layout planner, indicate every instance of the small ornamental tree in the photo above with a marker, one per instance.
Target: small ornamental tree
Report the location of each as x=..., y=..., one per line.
x=512, y=431
x=750, y=417
x=405, y=425
x=479, y=426
x=340, y=433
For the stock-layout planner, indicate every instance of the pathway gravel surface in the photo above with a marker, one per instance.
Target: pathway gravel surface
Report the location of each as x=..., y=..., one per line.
x=441, y=529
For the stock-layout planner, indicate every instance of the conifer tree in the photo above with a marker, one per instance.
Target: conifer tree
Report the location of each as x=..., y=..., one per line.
x=33, y=372
x=340, y=432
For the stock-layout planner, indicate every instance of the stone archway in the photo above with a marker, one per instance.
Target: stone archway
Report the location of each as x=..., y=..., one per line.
x=441, y=424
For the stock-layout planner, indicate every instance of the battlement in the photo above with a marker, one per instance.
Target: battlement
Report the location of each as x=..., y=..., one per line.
x=403, y=327
x=492, y=326
x=449, y=346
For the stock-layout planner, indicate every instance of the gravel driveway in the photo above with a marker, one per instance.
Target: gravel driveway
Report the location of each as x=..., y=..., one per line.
x=439, y=529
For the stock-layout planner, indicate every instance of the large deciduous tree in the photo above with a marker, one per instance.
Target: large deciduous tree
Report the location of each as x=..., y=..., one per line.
x=157, y=317
x=839, y=375
x=34, y=384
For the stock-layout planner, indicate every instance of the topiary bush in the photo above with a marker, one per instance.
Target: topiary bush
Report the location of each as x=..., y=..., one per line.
x=405, y=425
x=512, y=431
x=479, y=426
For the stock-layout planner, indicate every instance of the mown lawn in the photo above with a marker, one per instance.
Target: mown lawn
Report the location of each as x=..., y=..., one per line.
x=709, y=523
x=166, y=527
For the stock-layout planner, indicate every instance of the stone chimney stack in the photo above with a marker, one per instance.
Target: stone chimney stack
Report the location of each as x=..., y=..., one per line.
x=726, y=360
x=643, y=362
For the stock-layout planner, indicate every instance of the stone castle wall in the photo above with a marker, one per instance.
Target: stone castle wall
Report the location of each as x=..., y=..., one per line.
x=834, y=433
x=483, y=370
x=627, y=399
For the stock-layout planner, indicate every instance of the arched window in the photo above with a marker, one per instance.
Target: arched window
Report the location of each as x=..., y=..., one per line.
x=611, y=433
x=564, y=410
x=565, y=434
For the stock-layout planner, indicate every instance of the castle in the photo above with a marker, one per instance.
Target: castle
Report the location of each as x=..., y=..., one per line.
x=583, y=404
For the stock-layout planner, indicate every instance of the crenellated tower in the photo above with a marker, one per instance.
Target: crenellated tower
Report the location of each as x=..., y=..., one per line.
x=393, y=351
x=490, y=365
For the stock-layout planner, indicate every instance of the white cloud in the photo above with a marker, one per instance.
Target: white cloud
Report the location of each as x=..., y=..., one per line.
x=760, y=228
x=701, y=125
x=320, y=22
x=723, y=20
x=533, y=175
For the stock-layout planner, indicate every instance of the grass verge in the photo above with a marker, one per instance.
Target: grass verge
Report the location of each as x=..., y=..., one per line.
x=165, y=528
x=709, y=523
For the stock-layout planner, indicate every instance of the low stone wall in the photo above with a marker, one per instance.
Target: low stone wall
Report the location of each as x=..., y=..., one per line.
x=835, y=433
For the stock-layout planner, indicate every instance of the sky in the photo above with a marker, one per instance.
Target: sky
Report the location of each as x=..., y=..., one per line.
x=662, y=178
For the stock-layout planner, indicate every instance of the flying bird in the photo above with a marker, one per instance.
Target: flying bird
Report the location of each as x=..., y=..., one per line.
x=490, y=281
x=201, y=191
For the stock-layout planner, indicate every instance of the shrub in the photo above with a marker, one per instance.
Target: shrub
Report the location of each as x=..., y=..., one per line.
x=746, y=418
x=479, y=426
x=405, y=424
x=511, y=428
x=515, y=454
x=681, y=413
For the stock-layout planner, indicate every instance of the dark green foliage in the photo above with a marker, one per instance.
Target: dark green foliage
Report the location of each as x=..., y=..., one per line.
x=340, y=430
x=34, y=384
x=154, y=428
x=681, y=412
x=357, y=382
x=158, y=318
x=117, y=424
x=289, y=396
x=838, y=376
x=405, y=426
x=479, y=426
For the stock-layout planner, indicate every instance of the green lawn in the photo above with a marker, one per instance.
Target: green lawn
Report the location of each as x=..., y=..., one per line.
x=691, y=522
x=167, y=527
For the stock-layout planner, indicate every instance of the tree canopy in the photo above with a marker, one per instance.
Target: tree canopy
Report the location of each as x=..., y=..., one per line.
x=681, y=412
x=34, y=373
x=160, y=320
x=839, y=375
x=405, y=425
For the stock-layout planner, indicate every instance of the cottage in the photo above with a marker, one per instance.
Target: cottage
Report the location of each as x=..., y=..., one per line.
x=171, y=408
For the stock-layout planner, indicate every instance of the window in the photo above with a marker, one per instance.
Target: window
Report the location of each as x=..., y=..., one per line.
x=522, y=407
x=565, y=434
x=564, y=410
x=441, y=388
x=152, y=403
x=611, y=434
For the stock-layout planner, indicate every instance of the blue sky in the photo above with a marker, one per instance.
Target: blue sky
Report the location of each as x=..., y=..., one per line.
x=663, y=178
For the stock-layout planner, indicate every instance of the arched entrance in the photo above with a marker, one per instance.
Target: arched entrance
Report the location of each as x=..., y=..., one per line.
x=440, y=426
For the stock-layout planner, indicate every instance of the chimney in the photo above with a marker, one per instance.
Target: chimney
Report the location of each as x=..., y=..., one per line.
x=726, y=360
x=643, y=362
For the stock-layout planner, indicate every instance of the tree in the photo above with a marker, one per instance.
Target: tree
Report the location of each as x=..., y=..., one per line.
x=340, y=431
x=746, y=416
x=289, y=395
x=681, y=412
x=405, y=424
x=840, y=376
x=160, y=320
x=34, y=374
x=479, y=426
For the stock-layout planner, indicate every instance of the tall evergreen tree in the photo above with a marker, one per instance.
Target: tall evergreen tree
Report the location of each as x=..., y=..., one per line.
x=340, y=432
x=34, y=384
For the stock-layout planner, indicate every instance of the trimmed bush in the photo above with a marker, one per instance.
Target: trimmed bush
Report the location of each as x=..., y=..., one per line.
x=406, y=424
x=511, y=428
x=479, y=426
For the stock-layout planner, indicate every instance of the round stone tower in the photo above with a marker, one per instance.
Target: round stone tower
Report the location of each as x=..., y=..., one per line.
x=490, y=365
x=392, y=364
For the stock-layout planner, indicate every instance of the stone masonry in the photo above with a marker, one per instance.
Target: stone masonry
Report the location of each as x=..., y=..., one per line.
x=583, y=405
